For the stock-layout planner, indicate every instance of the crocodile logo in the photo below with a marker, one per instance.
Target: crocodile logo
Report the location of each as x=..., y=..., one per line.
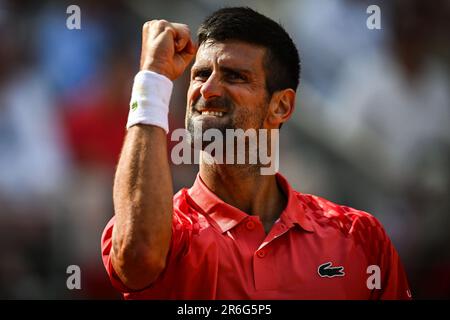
x=326, y=270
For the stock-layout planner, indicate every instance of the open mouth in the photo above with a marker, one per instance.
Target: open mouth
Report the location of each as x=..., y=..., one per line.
x=212, y=113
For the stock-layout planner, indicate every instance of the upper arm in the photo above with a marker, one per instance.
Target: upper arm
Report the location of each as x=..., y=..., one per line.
x=179, y=243
x=394, y=280
x=381, y=252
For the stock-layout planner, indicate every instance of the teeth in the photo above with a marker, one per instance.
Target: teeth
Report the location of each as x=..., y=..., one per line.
x=212, y=113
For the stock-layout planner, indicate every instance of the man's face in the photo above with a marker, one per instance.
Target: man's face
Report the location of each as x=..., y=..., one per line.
x=227, y=88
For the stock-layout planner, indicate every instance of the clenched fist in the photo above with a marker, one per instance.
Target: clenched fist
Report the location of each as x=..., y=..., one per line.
x=167, y=48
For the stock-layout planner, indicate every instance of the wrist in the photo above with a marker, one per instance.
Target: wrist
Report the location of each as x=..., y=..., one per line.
x=156, y=67
x=150, y=100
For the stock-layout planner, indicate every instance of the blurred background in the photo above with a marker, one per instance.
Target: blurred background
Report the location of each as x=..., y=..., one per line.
x=371, y=128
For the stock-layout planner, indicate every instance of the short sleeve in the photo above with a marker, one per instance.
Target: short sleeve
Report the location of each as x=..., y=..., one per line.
x=395, y=283
x=183, y=227
x=381, y=252
x=106, y=245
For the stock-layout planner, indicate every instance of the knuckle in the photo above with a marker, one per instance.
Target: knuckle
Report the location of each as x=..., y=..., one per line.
x=156, y=24
x=147, y=24
x=162, y=23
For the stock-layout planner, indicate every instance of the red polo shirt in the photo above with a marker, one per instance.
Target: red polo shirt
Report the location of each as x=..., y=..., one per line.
x=315, y=250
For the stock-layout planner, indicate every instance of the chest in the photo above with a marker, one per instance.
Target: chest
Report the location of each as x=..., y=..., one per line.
x=290, y=265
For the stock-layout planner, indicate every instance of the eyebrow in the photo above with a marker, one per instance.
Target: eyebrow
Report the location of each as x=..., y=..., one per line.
x=222, y=69
x=232, y=69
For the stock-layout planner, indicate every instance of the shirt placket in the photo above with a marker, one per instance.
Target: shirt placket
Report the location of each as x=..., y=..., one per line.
x=265, y=276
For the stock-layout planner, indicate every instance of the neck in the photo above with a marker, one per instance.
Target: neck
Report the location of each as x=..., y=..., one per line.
x=243, y=187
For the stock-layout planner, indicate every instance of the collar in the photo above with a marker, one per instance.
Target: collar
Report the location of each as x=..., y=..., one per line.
x=227, y=216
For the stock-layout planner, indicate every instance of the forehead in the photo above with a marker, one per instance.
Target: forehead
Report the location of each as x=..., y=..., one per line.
x=230, y=53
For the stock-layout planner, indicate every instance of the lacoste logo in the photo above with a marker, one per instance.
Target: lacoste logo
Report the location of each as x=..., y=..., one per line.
x=326, y=270
x=134, y=106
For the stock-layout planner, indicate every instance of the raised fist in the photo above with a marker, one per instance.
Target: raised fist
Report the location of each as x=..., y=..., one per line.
x=167, y=48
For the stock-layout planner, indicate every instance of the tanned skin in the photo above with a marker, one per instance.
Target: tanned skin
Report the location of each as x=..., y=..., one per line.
x=143, y=189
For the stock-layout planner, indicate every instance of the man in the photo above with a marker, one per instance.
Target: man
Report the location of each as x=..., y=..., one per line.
x=235, y=234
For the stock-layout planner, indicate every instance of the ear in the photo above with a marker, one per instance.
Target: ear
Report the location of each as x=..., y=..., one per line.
x=280, y=109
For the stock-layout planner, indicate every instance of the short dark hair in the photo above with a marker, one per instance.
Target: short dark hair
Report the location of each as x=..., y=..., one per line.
x=282, y=61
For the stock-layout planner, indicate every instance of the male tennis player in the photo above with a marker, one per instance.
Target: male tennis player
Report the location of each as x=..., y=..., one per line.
x=235, y=234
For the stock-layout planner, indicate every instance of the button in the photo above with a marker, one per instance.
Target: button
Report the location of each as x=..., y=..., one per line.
x=250, y=225
x=261, y=253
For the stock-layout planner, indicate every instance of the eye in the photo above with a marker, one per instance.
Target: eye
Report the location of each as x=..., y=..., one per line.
x=235, y=76
x=201, y=75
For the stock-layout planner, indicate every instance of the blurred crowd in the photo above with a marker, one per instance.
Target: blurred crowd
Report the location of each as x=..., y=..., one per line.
x=371, y=128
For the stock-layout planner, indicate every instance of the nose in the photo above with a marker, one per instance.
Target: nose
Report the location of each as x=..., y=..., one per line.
x=211, y=87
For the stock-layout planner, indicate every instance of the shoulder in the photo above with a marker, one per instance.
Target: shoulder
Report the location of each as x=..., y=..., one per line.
x=350, y=221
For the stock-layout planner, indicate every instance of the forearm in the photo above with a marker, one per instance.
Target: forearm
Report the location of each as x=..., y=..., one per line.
x=143, y=185
x=143, y=207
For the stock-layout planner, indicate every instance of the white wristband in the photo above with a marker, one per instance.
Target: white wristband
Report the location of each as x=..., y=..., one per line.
x=150, y=100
